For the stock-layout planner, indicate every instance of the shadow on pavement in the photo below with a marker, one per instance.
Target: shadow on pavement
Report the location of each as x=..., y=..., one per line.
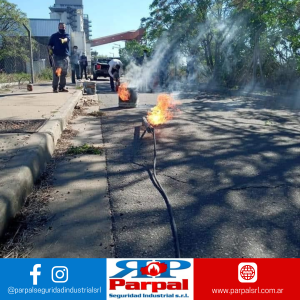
x=103, y=88
x=231, y=173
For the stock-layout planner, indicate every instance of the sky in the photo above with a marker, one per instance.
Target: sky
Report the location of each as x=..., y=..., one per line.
x=108, y=17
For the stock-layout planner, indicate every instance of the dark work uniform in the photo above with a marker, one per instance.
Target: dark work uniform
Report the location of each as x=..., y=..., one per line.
x=61, y=58
x=83, y=65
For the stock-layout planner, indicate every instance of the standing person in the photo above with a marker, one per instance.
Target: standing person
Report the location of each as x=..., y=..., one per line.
x=59, y=52
x=114, y=66
x=74, y=60
x=83, y=65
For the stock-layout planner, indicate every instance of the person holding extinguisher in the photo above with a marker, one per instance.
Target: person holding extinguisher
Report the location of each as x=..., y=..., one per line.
x=59, y=53
x=115, y=65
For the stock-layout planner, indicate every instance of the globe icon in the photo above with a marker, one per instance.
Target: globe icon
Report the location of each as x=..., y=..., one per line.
x=247, y=272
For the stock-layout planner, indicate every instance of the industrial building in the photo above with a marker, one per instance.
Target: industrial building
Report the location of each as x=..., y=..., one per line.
x=78, y=25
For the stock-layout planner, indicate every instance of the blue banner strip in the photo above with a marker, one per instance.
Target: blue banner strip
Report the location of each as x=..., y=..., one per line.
x=49, y=278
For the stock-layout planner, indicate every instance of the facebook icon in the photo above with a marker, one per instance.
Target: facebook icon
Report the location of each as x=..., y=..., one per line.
x=35, y=273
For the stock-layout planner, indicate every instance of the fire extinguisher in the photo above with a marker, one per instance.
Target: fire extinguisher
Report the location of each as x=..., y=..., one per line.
x=117, y=85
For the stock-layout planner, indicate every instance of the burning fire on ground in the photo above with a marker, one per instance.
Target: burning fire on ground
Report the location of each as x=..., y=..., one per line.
x=123, y=92
x=163, y=111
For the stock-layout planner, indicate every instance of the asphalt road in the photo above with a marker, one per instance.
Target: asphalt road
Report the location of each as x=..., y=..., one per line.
x=230, y=166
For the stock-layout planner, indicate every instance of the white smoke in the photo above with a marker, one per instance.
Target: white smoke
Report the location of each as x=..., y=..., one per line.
x=146, y=77
x=143, y=77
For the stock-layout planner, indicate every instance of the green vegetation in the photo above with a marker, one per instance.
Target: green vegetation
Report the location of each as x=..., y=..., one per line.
x=231, y=42
x=268, y=123
x=5, y=90
x=46, y=75
x=94, y=53
x=19, y=77
x=97, y=113
x=85, y=149
x=13, y=35
x=133, y=51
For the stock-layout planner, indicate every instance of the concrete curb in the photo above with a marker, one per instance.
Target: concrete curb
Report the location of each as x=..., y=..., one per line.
x=19, y=176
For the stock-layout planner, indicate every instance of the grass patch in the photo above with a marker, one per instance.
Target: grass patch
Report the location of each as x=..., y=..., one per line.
x=85, y=149
x=22, y=78
x=269, y=123
x=17, y=77
x=97, y=113
x=46, y=75
x=5, y=90
x=79, y=87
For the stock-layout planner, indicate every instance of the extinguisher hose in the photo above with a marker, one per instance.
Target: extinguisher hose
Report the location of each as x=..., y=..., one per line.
x=169, y=207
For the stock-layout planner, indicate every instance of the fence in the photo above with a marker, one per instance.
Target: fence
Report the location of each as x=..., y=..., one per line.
x=15, y=57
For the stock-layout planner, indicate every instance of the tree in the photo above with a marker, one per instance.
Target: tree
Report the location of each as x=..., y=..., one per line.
x=223, y=34
x=195, y=28
x=133, y=51
x=269, y=16
x=13, y=36
x=94, y=53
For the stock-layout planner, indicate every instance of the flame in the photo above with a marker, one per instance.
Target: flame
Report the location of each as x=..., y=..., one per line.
x=154, y=271
x=123, y=92
x=58, y=72
x=162, y=113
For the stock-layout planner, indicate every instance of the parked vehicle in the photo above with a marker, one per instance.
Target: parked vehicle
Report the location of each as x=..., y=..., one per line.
x=100, y=68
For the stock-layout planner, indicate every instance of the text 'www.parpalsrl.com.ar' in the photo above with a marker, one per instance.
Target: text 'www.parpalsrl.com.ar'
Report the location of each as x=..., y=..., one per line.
x=54, y=290
x=247, y=291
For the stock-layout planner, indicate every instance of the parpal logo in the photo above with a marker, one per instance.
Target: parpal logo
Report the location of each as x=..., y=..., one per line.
x=154, y=269
x=150, y=275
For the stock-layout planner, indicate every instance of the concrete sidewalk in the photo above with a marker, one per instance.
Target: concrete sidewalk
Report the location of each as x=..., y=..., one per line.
x=41, y=103
x=30, y=125
x=78, y=211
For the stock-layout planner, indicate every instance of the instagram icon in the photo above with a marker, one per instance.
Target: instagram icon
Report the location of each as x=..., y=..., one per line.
x=60, y=274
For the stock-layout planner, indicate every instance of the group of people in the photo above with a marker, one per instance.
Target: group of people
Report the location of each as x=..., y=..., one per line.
x=79, y=64
x=59, y=53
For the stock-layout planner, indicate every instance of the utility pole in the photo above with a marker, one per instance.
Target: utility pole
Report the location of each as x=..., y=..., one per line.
x=117, y=46
x=31, y=56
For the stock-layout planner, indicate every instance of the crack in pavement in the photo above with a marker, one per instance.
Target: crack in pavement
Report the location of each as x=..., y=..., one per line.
x=258, y=187
x=175, y=179
x=150, y=169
